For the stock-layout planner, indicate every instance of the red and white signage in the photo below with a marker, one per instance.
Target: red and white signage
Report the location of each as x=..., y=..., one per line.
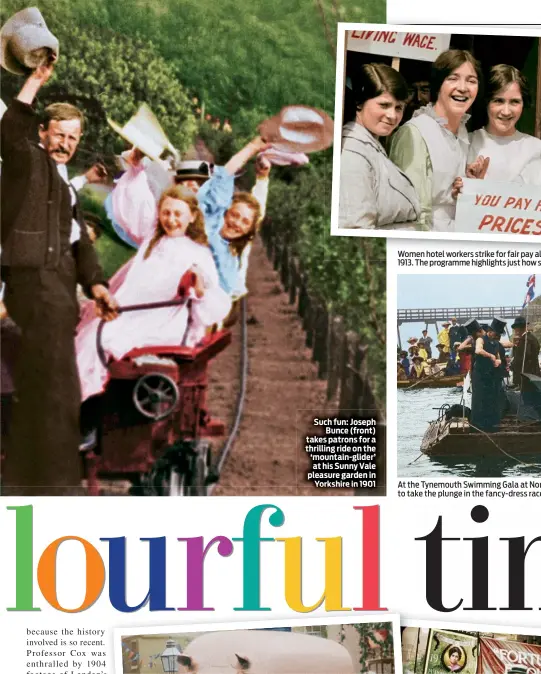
x=489, y=207
x=420, y=46
x=500, y=657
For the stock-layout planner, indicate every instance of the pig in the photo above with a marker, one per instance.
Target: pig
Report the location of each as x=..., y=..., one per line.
x=264, y=652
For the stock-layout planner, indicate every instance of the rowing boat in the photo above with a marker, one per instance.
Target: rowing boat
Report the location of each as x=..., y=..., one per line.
x=432, y=382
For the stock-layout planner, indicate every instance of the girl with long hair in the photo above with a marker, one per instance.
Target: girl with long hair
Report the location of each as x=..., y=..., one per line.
x=174, y=244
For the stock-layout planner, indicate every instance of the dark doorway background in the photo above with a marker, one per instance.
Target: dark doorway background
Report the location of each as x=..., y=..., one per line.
x=490, y=50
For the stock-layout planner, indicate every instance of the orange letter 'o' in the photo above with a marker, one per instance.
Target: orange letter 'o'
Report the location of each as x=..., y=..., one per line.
x=95, y=574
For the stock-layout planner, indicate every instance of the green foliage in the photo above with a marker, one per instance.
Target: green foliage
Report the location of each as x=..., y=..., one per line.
x=372, y=632
x=348, y=273
x=243, y=60
x=222, y=145
x=108, y=75
x=112, y=252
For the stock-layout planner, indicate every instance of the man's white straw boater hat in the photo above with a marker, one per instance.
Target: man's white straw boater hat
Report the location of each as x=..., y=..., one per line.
x=144, y=132
x=26, y=42
x=193, y=169
x=298, y=128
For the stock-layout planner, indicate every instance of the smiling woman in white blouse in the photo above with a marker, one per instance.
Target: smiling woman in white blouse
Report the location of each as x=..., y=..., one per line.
x=432, y=148
x=514, y=156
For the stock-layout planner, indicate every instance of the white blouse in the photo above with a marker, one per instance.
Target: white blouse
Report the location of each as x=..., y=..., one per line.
x=515, y=158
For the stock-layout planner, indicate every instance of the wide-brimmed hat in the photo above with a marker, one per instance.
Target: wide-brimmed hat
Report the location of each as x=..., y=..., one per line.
x=282, y=158
x=472, y=326
x=498, y=326
x=417, y=358
x=193, y=169
x=520, y=322
x=446, y=323
x=144, y=132
x=26, y=42
x=298, y=128
x=412, y=340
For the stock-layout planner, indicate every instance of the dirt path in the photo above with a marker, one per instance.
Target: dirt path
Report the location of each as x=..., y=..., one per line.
x=283, y=394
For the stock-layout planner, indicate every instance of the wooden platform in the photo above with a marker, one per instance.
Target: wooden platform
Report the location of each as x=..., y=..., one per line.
x=454, y=437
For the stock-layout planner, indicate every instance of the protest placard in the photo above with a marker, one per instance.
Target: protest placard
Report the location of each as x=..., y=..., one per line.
x=422, y=46
x=490, y=207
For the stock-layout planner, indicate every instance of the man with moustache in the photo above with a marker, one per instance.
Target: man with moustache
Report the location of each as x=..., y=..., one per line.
x=45, y=253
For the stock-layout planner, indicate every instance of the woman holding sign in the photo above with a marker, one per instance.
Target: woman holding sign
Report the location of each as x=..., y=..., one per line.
x=374, y=193
x=432, y=148
x=514, y=156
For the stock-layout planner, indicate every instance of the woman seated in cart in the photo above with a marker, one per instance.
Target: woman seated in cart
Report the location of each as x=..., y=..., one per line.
x=174, y=243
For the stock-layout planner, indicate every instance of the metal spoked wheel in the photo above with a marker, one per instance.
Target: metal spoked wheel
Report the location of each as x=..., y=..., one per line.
x=155, y=395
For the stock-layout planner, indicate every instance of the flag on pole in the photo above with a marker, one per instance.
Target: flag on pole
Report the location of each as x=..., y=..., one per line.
x=530, y=292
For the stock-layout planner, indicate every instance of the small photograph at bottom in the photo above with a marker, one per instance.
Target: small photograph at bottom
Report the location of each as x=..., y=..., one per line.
x=262, y=648
x=426, y=650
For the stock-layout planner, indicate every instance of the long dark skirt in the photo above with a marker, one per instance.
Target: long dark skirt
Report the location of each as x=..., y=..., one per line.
x=486, y=401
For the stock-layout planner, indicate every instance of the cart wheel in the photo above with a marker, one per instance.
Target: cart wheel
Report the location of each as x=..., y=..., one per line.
x=155, y=395
x=200, y=468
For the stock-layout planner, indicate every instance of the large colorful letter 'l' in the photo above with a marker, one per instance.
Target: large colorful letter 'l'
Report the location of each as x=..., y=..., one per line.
x=370, y=559
x=24, y=562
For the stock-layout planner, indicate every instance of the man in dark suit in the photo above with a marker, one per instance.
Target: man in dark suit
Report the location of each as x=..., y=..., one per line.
x=526, y=361
x=457, y=333
x=45, y=253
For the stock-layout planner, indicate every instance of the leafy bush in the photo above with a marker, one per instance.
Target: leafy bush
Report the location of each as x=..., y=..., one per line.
x=107, y=75
x=112, y=252
x=347, y=273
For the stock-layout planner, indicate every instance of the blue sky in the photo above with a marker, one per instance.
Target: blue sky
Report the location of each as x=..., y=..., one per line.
x=426, y=291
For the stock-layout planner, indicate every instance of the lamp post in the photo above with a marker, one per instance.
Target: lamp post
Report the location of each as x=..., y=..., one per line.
x=169, y=657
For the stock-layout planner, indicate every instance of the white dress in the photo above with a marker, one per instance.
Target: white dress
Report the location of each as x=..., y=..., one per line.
x=515, y=158
x=155, y=279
